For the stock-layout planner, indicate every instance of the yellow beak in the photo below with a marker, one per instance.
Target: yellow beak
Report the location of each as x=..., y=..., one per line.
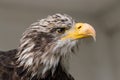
x=79, y=31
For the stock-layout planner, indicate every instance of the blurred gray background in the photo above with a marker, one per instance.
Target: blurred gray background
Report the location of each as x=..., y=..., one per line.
x=97, y=60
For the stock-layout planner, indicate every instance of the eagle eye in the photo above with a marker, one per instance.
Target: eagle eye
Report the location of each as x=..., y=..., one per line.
x=60, y=30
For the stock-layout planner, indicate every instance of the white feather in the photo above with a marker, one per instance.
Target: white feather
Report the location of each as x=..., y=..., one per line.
x=29, y=61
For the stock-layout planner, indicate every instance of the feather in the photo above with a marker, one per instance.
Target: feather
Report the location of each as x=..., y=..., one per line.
x=41, y=54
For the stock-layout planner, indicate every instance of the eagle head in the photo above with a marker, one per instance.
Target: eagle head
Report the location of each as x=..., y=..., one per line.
x=49, y=41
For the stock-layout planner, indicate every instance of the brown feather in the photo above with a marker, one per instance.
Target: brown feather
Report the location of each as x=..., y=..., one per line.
x=40, y=55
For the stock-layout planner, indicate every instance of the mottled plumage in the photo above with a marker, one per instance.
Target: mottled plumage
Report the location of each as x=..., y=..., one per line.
x=43, y=52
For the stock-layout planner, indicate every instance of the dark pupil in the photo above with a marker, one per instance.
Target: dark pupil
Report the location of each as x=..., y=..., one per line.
x=60, y=30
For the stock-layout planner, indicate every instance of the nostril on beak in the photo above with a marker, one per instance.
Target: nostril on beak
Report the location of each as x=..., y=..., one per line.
x=79, y=27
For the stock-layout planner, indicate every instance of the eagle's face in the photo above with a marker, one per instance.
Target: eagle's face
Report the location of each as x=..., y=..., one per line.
x=45, y=43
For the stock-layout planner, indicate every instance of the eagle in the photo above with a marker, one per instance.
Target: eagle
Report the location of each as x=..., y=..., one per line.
x=44, y=49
